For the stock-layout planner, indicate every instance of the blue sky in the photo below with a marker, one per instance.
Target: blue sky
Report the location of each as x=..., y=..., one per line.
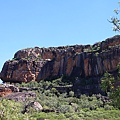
x=47, y=23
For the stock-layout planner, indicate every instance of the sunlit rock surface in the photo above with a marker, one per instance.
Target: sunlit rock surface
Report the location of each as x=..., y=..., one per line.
x=83, y=61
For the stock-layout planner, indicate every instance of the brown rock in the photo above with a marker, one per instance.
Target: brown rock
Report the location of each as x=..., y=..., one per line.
x=21, y=96
x=35, y=64
x=6, y=89
x=70, y=65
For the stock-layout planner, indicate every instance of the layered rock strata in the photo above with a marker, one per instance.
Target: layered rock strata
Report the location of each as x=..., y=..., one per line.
x=83, y=61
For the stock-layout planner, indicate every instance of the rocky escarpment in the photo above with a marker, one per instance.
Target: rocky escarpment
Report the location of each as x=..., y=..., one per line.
x=81, y=61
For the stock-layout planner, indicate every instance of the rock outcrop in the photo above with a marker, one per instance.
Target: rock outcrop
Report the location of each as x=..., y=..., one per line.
x=21, y=96
x=83, y=61
x=6, y=89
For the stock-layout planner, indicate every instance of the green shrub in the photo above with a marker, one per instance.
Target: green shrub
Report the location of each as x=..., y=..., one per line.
x=11, y=110
x=71, y=94
x=108, y=107
x=65, y=109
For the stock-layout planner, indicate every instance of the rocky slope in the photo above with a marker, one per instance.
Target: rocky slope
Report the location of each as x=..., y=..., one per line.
x=81, y=61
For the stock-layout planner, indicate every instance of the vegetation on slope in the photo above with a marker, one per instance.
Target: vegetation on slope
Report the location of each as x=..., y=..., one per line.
x=59, y=106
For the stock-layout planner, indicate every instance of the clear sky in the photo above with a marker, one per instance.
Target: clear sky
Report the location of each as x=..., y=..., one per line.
x=50, y=23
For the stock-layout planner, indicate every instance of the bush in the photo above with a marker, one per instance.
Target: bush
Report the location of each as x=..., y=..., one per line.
x=65, y=109
x=108, y=107
x=71, y=94
x=11, y=110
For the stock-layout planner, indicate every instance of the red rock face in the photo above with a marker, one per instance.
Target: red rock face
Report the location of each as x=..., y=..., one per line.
x=79, y=61
x=5, y=91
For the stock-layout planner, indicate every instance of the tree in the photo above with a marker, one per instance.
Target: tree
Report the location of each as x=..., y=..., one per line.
x=115, y=96
x=115, y=20
x=112, y=85
x=107, y=82
x=119, y=72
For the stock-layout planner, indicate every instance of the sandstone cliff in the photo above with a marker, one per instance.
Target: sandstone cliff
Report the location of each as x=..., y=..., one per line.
x=78, y=61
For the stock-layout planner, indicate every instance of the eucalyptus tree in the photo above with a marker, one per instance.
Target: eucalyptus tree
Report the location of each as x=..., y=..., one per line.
x=116, y=20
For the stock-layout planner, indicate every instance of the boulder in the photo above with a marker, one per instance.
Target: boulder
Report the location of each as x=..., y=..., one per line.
x=35, y=105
